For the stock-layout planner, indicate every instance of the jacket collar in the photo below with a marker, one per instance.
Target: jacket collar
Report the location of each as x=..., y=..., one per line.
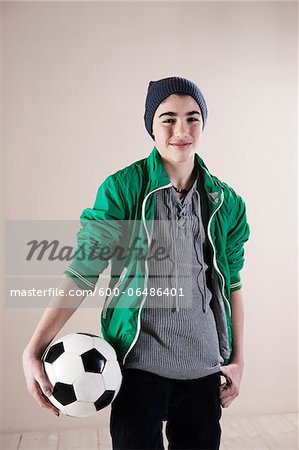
x=159, y=177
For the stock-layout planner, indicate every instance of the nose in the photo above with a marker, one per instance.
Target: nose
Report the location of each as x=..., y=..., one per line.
x=181, y=129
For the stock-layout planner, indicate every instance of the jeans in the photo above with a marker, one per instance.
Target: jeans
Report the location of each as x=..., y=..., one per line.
x=191, y=408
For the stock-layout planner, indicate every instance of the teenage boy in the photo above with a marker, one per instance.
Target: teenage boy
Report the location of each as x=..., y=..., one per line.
x=171, y=351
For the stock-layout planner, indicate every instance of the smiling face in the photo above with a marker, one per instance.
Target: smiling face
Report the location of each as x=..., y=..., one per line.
x=177, y=128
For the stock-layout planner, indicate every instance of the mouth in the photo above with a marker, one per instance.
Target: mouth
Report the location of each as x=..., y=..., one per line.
x=182, y=146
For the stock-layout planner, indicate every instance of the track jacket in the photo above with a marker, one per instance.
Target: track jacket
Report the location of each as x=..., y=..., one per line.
x=122, y=216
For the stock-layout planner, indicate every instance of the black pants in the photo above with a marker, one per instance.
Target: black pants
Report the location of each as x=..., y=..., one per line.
x=191, y=408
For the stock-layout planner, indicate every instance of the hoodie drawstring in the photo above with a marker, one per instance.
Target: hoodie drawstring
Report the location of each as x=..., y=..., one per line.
x=176, y=274
x=181, y=215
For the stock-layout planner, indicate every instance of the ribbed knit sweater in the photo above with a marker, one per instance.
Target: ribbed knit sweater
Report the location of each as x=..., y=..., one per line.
x=178, y=337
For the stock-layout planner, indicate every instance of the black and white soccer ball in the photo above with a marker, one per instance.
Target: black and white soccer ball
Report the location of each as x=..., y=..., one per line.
x=84, y=373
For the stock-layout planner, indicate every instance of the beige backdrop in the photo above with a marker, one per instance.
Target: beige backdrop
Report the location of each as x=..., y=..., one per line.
x=74, y=82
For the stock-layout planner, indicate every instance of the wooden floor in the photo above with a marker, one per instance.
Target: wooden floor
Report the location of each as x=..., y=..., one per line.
x=251, y=432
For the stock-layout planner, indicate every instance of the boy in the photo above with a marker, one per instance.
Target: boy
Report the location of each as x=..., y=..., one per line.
x=171, y=351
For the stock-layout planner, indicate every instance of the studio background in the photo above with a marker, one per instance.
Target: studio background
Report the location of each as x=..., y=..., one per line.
x=74, y=81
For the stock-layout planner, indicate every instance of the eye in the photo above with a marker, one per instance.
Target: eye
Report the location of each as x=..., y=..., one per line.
x=190, y=119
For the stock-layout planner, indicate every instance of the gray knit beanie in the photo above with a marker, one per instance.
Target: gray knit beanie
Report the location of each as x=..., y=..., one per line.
x=159, y=90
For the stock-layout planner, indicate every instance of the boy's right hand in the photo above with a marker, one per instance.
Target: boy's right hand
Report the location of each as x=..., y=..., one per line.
x=38, y=384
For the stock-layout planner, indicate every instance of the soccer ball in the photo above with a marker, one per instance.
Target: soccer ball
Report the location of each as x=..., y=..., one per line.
x=84, y=372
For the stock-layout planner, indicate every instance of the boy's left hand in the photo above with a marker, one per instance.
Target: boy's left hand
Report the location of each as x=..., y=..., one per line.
x=229, y=390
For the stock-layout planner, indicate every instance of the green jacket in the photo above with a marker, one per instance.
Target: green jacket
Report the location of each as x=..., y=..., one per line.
x=122, y=215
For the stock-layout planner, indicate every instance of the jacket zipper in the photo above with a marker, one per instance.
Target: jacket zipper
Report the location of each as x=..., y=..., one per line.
x=146, y=269
x=109, y=299
x=214, y=251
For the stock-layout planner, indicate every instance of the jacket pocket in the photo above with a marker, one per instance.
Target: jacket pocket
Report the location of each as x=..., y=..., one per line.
x=110, y=297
